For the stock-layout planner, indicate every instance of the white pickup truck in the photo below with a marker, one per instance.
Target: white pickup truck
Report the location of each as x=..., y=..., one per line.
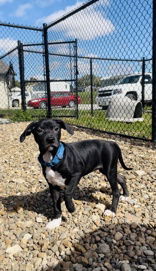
x=130, y=86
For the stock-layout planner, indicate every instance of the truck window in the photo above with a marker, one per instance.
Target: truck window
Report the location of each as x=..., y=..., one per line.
x=130, y=79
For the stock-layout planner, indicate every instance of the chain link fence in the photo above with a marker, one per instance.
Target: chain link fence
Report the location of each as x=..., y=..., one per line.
x=114, y=64
x=98, y=60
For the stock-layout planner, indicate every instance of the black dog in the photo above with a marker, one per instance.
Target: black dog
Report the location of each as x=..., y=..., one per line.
x=64, y=164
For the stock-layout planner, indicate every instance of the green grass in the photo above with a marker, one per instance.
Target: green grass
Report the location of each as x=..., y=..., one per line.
x=97, y=121
x=86, y=97
x=18, y=115
x=100, y=122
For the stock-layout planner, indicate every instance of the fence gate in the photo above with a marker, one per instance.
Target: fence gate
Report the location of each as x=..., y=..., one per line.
x=60, y=99
x=62, y=77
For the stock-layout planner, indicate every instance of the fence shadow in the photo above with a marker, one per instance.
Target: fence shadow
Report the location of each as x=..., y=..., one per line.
x=41, y=202
x=100, y=250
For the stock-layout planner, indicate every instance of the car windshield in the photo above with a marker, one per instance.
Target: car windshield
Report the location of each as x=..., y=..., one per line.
x=130, y=79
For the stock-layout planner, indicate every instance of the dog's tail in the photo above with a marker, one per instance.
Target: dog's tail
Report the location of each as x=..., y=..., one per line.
x=122, y=161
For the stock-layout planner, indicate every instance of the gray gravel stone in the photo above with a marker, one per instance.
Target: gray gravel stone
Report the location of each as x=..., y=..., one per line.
x=104, y=248
x=142, y=267
x=148, y=252
x=125, y=267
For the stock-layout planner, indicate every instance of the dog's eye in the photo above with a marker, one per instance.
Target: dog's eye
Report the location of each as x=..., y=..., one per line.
x=39, y=130
x=56, y=129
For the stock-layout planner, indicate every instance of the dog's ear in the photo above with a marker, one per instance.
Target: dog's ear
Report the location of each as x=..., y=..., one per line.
x=65, y=126
x=28, y=131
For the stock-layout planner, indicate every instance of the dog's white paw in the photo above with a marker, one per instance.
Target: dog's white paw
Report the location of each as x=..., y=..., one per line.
x=109, y=213
x=54, y=223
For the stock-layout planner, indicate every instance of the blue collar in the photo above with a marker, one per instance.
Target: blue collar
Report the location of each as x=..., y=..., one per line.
x=57, y=158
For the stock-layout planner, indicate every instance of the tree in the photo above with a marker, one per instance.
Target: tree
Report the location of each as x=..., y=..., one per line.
x=17, y=83
x=85, y=81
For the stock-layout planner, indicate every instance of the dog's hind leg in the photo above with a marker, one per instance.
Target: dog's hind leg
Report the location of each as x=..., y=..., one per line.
x=112, y=178
x=68, y=196
x=122, y=181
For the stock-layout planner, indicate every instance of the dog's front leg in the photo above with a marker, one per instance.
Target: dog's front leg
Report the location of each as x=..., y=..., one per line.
x=70, y=191
x=57, y=199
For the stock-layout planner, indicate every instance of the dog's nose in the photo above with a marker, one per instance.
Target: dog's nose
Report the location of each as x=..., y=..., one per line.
x=50, y=139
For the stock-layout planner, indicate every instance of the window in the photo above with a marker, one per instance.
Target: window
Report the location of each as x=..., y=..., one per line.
x=130, y=79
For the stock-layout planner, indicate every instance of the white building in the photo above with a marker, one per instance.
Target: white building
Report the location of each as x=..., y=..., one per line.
x=39, y=88
x=6, y=82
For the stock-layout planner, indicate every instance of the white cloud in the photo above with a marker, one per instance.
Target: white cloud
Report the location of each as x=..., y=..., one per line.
x=86, y=24
x=7, y=44
x=84, y=67
x=120, y=68
x=21, y=10
x=56, y=15
x=5, y=1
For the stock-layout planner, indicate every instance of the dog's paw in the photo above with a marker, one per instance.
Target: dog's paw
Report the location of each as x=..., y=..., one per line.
x=69, y=205
x=71, y=208
x=54, y=223
x=109, y=213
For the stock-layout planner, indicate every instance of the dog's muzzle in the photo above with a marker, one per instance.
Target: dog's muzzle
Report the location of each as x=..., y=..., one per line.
x=52, y=141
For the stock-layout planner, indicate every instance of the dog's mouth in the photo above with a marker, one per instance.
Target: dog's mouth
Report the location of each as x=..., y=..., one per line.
x=52, y=146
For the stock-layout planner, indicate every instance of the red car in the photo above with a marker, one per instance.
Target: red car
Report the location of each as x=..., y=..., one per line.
x=57, y=99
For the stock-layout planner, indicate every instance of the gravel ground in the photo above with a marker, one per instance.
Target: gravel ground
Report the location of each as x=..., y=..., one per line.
x=88, y=241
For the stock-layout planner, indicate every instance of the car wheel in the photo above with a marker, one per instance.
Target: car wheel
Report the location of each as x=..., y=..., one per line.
x=15, y=103
x=71, y=104
x=43, y=105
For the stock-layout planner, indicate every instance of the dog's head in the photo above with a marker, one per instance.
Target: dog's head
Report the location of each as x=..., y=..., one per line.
x=47, y=133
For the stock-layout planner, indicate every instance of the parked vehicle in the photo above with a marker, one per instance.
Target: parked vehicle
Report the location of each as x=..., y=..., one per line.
x=130, y=86
x=62, y=99
x=16, y=100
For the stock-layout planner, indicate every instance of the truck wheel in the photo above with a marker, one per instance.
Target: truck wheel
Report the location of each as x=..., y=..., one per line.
x=15, y=103
x=138, y=111
x=43, y=105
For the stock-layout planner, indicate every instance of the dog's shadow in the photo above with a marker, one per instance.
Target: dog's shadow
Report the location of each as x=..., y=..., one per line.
x=41, y=202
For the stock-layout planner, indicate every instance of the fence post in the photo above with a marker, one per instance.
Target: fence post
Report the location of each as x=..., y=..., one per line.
x=21, y=72
x=46, y=52
x=91, y=85
x=154, y=75
x=76, y=78
x=143, y=82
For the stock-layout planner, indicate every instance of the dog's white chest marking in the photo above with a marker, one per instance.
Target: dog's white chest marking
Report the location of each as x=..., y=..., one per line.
x=52, y=176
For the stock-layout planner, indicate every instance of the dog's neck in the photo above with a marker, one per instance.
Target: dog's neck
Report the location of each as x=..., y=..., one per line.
x=47, y=156
x=52, y=157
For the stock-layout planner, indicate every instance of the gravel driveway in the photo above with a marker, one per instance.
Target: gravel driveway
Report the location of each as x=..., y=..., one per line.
x=88, y=241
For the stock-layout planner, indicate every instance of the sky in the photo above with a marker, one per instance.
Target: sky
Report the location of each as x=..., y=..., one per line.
x=27, y=12
x=109, y=28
